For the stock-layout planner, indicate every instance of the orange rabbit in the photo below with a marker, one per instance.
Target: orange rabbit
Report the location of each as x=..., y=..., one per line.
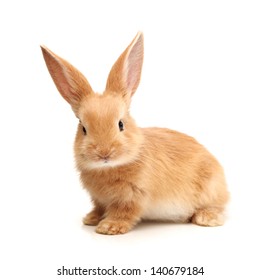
x=133, y=173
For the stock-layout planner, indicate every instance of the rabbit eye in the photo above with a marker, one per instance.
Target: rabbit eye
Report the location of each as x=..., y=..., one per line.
x=83, y=128
x=121, y=125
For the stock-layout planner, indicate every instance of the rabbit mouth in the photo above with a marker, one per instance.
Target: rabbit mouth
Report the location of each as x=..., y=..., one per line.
x=105, y=163
x=98, y=161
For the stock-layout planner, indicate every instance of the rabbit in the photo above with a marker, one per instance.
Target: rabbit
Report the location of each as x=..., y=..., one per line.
x=131, y=173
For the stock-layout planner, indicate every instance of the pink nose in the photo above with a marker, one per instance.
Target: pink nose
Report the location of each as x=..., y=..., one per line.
x=104, y=153
x=104, y=157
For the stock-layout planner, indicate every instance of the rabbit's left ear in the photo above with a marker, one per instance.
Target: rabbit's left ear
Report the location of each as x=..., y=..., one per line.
x=71, y=84
x=125, y=75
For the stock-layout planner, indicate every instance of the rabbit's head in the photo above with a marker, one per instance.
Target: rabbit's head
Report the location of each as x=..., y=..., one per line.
x=107, y=135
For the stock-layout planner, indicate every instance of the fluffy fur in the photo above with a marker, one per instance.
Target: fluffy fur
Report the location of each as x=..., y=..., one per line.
x=135, y=173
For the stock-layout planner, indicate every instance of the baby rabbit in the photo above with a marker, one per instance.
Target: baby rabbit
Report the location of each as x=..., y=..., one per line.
x=134, y=173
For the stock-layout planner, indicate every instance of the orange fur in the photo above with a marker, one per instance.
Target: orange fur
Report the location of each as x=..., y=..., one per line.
x=137, y=173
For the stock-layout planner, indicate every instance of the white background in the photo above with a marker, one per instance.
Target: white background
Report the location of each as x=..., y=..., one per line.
x=201, y=76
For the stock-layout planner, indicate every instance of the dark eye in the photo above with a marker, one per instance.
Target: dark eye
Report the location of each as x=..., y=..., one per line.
x=84, y=130
x=121, y=125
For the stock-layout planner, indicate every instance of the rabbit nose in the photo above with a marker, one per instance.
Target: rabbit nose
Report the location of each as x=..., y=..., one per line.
x=104, y=154
x=104, y=157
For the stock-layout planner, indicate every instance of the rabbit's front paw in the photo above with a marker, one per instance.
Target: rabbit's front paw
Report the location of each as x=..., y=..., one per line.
x=113, y=227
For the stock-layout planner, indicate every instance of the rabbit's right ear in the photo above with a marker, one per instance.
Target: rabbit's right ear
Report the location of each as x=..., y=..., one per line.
x=71, y=84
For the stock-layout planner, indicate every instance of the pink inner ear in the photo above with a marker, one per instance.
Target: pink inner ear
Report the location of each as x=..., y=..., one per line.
x=58, y=75
x=134, y=66
x=69, y=81
x=60, y=80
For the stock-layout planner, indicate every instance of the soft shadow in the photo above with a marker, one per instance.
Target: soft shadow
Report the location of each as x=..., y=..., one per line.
x=143, y=228
x=155, y=225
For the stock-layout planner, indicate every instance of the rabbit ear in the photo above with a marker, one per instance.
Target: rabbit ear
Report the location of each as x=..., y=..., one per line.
x=72, y=85
x=125, y=74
